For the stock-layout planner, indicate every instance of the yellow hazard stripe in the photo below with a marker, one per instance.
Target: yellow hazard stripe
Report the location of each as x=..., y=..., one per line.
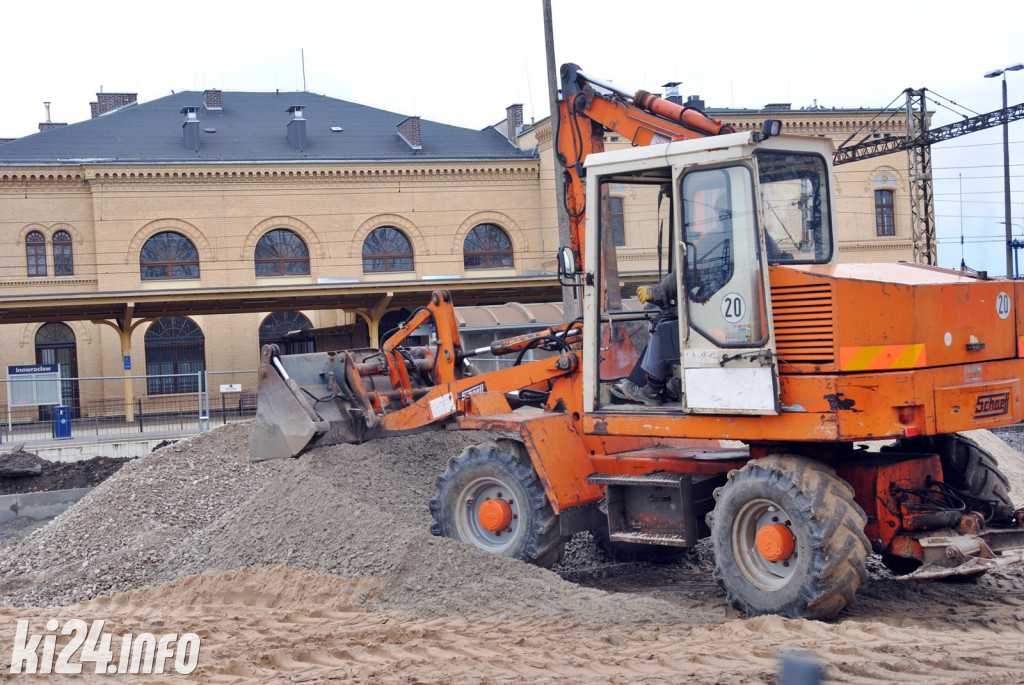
x=882, y=357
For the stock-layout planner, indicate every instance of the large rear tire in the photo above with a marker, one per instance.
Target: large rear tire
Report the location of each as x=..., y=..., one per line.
x=818, y=565
x=518, y=522
x=966, y=465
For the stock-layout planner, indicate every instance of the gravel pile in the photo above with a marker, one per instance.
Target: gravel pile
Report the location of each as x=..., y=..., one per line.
x=120, y=535
x=352, y=510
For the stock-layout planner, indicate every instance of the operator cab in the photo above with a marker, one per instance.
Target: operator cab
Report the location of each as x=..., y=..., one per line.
x=706, y=218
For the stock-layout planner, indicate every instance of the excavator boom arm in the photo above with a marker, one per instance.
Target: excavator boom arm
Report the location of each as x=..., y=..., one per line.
x=588, y=108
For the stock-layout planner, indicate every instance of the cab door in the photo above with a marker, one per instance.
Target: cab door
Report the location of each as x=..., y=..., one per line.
x=727, y=360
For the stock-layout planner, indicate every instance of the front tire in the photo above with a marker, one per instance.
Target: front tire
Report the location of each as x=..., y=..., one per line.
x=491, y=498
x=788, y=539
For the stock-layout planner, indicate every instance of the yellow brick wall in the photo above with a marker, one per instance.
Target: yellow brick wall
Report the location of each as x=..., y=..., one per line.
x=111, y=211
x=224, y=209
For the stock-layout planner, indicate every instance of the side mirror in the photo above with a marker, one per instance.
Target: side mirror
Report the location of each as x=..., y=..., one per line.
x=566, y=265
x=770, y=128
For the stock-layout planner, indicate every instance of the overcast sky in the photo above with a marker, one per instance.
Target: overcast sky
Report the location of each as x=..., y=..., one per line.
x=462, y=62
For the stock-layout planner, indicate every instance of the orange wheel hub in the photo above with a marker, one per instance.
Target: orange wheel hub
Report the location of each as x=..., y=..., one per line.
x=775, y=542
x=494, y=515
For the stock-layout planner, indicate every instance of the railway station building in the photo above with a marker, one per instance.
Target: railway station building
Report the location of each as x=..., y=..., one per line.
x=212, y=189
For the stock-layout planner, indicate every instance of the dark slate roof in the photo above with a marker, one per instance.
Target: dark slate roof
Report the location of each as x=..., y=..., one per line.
x=252, y=127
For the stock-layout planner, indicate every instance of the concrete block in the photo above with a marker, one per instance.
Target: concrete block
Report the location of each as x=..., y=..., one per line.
x=39, y=505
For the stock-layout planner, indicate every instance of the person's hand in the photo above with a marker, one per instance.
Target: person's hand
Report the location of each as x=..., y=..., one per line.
x=643, y=293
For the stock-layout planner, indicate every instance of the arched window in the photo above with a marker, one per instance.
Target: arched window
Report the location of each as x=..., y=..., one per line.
x=35, y=253
x=174, y=345
x=169, y=255
x=63, y=262
x=387, y=249
x=487, y=247
x=281, y=253
x=287, y=331
x=885, y=220
x=55, y=344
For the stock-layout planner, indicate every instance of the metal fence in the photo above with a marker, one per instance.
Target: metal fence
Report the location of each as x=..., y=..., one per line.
x=96, y=407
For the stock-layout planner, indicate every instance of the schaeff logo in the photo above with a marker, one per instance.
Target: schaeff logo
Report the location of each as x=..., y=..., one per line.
x=992, y=404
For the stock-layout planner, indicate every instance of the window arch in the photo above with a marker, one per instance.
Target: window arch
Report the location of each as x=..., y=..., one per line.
x=174, y=345
x=63, y=259
x=276, y=327
x=281, y=252
x=487, y=246
x=168, y=255
x=35, y=253
x=387, y=249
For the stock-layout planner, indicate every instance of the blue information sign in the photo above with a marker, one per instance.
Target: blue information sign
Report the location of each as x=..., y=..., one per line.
x=32, y=369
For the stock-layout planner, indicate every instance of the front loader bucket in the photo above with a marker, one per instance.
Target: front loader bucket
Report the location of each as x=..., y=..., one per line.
x=282, y=427
x=308, y=399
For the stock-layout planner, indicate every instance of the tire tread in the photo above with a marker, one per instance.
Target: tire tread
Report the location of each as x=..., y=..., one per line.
x=545, y=545
x=840, y=547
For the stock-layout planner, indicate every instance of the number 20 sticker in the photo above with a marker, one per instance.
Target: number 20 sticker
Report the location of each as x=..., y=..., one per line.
x=733, y=308
x=1002, y=305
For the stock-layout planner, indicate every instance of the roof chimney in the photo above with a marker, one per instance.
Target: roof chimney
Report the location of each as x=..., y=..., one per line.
x=513, y=122
x=409, y=131
x=211, y=99
x=48, y=125
x=695, y=102
x=297, y=128
x=672, y=92
x=108, y=102
x=190, y=128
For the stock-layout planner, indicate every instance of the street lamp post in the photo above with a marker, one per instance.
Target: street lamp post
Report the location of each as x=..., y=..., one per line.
x=1006, y=165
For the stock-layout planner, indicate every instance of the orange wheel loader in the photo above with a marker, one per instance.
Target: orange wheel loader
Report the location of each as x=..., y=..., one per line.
x=798, y=361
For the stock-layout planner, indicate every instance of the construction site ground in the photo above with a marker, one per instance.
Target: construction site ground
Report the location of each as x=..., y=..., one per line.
x=322, y=569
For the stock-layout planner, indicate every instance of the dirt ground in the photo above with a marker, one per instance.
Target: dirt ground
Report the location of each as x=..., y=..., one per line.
x=321, y=569
x=26, y=472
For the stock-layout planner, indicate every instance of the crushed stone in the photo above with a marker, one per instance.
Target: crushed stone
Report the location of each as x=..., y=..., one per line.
x=350, y=510
x=358, y=511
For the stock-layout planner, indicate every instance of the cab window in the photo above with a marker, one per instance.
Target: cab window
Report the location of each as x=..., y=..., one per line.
x=794, y=196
